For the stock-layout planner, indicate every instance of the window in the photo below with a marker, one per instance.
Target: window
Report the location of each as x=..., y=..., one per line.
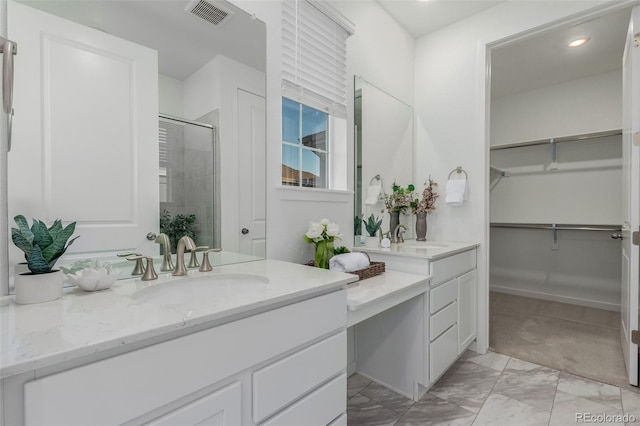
x=305, y=150
x=314, y=95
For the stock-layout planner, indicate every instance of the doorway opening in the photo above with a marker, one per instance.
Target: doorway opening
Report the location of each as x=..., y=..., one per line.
x=556, y=198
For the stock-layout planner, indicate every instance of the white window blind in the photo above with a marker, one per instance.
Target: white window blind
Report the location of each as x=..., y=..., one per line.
x=314, y=57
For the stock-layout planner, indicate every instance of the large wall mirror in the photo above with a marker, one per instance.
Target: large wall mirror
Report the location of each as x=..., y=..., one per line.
x=383, y=155
x=130, y=115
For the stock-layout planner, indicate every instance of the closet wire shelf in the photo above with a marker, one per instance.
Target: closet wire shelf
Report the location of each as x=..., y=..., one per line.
x=582, y=137
x=559, y=227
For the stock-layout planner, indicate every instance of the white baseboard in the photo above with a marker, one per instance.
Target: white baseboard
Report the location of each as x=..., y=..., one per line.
x=556, y=298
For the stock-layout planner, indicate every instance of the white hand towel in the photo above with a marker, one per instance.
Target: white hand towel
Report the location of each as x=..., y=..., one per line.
x=456, y=192
x=373, y=194
x=348, y=262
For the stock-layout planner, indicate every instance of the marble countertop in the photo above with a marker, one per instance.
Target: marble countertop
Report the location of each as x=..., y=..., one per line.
x=82, y=323
x=377, y=294
x=431, y=250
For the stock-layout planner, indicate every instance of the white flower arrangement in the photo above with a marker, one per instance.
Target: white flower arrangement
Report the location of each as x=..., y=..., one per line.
x=324, y=230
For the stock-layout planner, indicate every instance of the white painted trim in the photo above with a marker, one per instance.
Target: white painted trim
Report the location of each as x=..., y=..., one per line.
x=294, y=193
x=557, y=298
x=334, y=15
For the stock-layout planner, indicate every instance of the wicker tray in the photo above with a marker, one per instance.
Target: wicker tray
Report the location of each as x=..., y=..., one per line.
x=375, y=268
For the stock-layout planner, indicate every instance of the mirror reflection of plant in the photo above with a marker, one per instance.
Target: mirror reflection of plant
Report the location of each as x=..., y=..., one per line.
x=372, y=225
x=427, y=203
x=177, y=227
x=400, y=199
x=357, y=225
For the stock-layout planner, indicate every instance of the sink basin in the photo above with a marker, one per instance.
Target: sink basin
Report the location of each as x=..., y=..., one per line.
x=423, y=245
x=203, y=289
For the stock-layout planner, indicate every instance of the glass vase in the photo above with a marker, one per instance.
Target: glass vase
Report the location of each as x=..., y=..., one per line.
x=324, y=252
x=421, y=227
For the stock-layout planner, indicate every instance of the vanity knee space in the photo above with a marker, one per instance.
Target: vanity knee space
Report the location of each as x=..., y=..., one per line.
x=428, y=331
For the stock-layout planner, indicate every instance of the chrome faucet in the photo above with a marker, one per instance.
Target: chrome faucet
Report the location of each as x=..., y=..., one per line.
x=397, y=234
x=185, y=243
x=167, y=263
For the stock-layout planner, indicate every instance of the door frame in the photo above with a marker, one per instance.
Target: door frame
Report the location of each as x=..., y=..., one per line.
x=483, y=110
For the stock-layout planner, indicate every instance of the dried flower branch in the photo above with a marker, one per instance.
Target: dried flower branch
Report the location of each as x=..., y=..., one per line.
x=427, y=203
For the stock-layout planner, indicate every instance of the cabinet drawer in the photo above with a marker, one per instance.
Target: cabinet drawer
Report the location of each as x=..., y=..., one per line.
x=443, y=295
x=443, y=320
x=443, y=352
x=319, y=408
x=453, y=266
x=223, y=406
x=281, y=383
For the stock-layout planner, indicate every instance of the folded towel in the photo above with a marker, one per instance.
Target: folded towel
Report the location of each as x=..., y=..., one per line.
x=456, y=192
x=373, y=194
x=348, y=262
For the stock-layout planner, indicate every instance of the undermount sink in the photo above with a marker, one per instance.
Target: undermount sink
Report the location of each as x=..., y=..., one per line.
x=422, y=245
x=202, y=289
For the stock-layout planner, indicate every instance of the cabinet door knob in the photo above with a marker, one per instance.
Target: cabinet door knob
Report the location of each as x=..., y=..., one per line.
x=151, y=236
x=616, y=235
x=244, y=231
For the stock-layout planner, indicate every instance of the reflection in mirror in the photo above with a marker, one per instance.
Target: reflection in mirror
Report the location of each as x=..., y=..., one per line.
x=384, y=148
x=86, y=144
x=187, y=190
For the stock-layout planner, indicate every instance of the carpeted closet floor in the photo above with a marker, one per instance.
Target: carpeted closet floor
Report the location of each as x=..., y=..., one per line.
x=576, y=339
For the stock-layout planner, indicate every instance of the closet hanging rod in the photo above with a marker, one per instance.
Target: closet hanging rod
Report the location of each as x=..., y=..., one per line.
x=558, y=227
x=582, y=137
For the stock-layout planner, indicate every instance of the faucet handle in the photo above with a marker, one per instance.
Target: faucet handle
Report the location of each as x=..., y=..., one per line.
x=149, y=273
x=138, y=269
x=206, y=265
x=193, y=261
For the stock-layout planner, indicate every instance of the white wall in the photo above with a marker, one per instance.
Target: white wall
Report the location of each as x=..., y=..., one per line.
x=450, y=102
x=289, y=210
x=170, y=96
x=585, y=105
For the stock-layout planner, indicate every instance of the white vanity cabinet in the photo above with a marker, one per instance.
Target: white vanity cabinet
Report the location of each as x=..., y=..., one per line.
x=452, y=310
x=441, y=322
x=283, y=366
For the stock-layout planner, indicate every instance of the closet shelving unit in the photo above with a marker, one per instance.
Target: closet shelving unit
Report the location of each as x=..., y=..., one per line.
x=552, y=143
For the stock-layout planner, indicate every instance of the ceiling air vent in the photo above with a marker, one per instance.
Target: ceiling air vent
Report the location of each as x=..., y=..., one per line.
x=208, y=11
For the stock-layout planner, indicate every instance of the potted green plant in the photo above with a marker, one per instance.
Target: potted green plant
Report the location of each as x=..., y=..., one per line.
x=372, y=225
x=42, y=247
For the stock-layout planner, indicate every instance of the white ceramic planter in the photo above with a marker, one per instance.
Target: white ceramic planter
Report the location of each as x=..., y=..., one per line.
x=38, y=288
x=371, y=242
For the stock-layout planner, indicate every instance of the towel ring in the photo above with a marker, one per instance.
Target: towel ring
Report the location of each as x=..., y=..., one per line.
x=376, y=177
x=458, y=170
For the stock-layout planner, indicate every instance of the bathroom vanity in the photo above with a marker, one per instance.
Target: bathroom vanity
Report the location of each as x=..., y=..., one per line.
x=254, y=343
x=423, y=323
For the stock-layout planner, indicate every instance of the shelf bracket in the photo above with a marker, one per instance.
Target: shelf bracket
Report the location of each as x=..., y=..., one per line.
x=554, y=155
x=554, y=228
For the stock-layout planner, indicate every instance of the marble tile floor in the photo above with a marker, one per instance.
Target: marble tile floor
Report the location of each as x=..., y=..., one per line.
x=495, y=390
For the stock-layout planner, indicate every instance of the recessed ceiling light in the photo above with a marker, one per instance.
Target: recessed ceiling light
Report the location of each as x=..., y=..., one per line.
x=578, y=42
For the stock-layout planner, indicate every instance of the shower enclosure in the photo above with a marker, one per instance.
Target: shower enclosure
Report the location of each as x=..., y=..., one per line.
x=189, y=198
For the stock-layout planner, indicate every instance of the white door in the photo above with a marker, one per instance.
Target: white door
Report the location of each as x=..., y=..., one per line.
x=85, y=144
x=631, y=194
x=251, y=173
